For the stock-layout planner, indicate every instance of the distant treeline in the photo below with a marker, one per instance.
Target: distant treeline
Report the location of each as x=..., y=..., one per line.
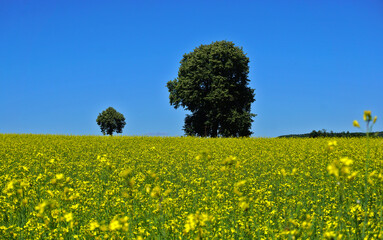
x=324, y=133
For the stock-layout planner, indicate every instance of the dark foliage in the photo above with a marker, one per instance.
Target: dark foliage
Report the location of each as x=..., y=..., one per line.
x=212, y=83
x=111, y=121
x=324, y=133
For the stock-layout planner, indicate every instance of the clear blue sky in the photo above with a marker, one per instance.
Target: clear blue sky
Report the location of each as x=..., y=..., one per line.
x=314, y=64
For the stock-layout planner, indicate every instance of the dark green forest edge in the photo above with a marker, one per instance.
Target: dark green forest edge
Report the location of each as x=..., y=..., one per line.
x=324, y=133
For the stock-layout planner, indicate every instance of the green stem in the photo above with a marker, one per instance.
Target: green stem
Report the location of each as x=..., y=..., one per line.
x=365, y=203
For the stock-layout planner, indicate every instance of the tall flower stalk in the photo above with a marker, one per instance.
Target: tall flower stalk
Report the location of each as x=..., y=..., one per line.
x=368, y=119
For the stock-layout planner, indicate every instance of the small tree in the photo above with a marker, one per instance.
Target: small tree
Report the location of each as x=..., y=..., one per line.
x=111, y=121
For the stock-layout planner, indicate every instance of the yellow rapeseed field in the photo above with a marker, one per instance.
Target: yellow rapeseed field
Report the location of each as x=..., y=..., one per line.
x=91, y=187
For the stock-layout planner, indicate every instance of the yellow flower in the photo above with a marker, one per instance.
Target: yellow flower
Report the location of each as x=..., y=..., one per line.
x=156, y=192
x=94, y=225
x=345, y=170
x=114, y=225
x=68, y=217
x=244, y=205
x=237, y=186
x=329, y=235
x=346, y=161
x=331, y=145
x=41, y=207
x=240, y=183
x=367, y=116
x=356, y=124
x=59, y=176
x=191, y=223
x=74, y=207
x=352, y=176
x=124, y=219
x=375, y=118
x=333, y=169
x=236, y=191
x=50, y=193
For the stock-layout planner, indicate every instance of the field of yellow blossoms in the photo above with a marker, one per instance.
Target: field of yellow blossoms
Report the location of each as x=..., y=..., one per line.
x=94, y=187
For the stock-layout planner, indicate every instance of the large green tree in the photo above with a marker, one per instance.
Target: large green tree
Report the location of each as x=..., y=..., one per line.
x=111, y=121
x=213, y=85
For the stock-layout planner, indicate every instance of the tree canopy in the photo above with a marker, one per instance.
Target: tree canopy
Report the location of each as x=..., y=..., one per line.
x=111, y=121
x=212, y=84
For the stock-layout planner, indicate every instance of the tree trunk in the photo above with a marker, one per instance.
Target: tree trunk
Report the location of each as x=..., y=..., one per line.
x=214, y=130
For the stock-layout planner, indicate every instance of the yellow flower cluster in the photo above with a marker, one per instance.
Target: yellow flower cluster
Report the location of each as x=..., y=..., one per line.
x=367, y=118
x=341, y=167
x=196, y=221
x=88, y=187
